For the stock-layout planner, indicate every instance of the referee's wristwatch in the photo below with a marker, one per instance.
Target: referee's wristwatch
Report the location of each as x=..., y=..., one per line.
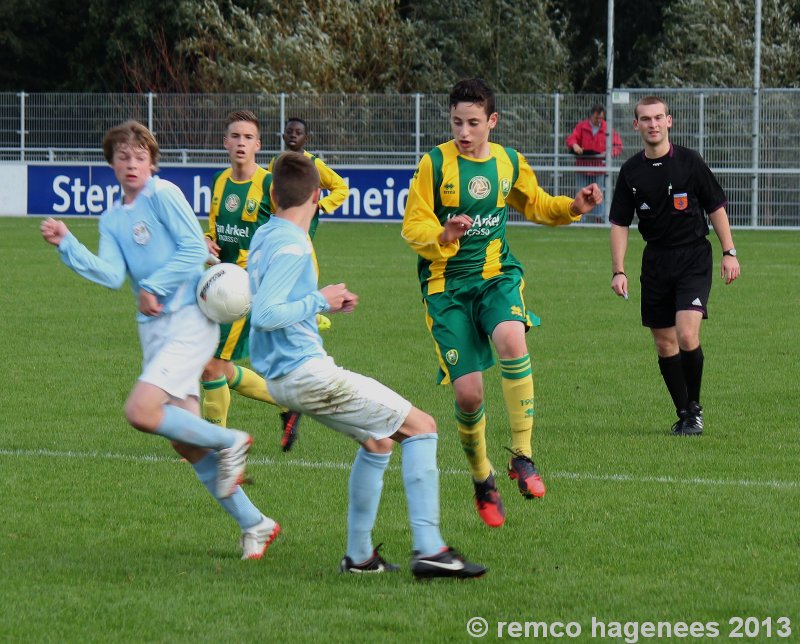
x=731, y=252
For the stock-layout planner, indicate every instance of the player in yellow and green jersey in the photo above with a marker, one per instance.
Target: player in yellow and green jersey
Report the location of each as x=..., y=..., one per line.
x=240, y=203
x=472, y=286
x=295, y=136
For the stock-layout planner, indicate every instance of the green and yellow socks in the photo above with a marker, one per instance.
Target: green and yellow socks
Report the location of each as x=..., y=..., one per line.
x=472, y=433
x=517, y=384
x=217, y=393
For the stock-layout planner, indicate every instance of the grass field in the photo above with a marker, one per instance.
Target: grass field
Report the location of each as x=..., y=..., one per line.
x=106, y=536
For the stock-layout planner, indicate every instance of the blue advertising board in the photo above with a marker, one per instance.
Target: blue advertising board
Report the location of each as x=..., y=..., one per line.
x=376, y=193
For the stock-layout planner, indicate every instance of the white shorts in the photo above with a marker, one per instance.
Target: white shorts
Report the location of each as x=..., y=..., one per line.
x=175, y=348
x=352, y=404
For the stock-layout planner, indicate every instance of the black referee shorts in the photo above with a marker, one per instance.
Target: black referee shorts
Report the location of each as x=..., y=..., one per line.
x=675, y=279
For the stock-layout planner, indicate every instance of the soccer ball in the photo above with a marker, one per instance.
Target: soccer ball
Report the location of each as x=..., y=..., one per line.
x=223, y=293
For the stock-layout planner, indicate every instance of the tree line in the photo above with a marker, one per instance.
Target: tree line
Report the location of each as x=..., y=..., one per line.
x=376, y=46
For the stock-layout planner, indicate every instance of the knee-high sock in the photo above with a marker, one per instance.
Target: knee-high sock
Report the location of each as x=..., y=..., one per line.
x=216, y=401
x=421, y=481
x=516, y=378
x=472, y=433
x=248, y=383
x=692, y=363
x=366, y=484
x=184, y=427
x=238, y=505
x=672, y=372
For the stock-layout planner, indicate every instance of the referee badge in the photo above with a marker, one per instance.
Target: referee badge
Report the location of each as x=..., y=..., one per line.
x=680, y=201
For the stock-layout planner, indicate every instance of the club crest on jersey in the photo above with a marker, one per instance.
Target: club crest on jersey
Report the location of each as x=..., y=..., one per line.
x=232, y=203
x=479, y=187
x=141, y=235
x=250, y=207
x=505, y=186
x=451, y=356
x=680, y=201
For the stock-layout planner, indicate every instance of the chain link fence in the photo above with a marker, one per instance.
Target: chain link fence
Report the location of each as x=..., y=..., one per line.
x=743, y=135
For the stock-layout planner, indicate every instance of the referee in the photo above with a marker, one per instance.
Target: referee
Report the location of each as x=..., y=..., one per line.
x=670, y=189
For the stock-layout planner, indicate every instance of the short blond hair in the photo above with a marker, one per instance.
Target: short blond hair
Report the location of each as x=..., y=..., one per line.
x=133, y=133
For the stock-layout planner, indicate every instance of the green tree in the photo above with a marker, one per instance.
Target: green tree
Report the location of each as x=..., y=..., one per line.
x=36, y=38
x=710, y=43
x=518, y=47
x=94, y=45
x=311, y=46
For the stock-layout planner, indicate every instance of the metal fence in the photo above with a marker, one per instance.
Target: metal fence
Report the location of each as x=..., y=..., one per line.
x=743, y=135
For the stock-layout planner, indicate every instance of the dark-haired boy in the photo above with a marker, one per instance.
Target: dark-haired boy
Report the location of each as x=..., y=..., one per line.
x=472, y=286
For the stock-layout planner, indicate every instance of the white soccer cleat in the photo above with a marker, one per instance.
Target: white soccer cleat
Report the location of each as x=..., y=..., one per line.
x=255, y=541
x=231, y=463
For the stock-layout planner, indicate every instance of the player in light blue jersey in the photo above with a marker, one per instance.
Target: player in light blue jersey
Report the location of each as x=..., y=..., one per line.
x=285, y=346
x=152, y=236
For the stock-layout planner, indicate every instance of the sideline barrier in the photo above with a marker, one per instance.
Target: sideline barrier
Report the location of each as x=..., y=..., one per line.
x=377, y=193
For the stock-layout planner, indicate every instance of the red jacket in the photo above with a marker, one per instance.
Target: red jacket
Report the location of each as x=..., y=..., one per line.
x=582, y=135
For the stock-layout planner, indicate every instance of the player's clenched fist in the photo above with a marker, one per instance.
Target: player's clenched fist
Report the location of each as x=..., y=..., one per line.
x=53, y=230
x=339, y=299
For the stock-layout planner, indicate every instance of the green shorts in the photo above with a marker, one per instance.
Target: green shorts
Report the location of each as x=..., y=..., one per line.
x=234, y=340
x=462, y=320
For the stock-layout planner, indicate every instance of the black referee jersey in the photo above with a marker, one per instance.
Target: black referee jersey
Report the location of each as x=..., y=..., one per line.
x=671, y=196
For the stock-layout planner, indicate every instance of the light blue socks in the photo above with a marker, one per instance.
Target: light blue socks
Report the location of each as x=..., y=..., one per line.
x=238, y=505
x=421, y=480
x=184, y=427
x=366, y=484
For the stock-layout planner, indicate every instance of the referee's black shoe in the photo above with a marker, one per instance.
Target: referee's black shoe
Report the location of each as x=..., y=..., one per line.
x=691, y=421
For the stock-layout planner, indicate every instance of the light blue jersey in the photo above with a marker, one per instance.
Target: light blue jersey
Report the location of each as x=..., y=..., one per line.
x=286, y=300
x=156, y=240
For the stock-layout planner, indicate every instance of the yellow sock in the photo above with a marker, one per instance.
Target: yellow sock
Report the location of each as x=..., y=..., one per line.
x=248, y=383
x=517, y=382
x=472, y=432
x=216, y=401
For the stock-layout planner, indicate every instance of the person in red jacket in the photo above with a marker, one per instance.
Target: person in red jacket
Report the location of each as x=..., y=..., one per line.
x=588, y=143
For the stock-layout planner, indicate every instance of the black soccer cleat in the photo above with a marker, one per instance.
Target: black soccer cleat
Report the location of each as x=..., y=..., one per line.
x=445, y=563
x=690, y=422
x=375, y=564
x=291, y=422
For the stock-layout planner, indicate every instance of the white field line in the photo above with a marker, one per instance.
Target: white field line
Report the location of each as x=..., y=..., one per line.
x=330, y=465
